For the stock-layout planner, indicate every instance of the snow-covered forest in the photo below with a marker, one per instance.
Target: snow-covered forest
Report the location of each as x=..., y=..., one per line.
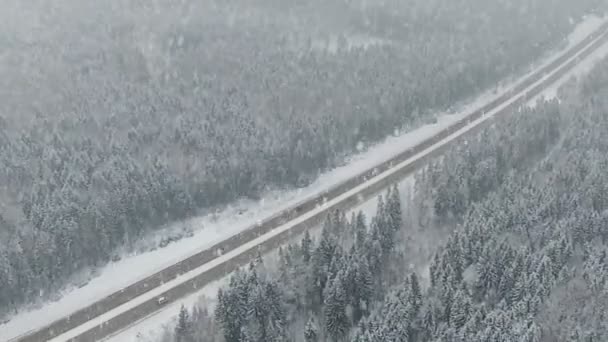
x=505, y=239
x=117, y=117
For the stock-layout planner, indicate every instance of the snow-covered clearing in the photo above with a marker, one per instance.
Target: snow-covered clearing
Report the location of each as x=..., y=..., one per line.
x=208, y=230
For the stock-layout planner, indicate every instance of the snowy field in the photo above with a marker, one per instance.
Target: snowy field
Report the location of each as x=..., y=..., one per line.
x=211, y=229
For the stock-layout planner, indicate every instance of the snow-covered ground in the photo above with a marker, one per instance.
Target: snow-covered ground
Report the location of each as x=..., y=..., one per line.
x=579, y=70
x=146, y=324
x=150, y=329
x=156, y=292
x=211, y=229
x=331, y=44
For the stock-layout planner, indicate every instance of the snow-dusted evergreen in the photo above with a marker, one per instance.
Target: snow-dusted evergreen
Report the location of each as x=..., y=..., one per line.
x=517, y=228
x=119, y=117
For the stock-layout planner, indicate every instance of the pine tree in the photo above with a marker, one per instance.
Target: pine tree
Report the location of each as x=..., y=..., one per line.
x=360, y=230
x=232, y=307
x=257, y=314
x=374, y=256
x=382, y=224
x=394, y=208
x=264, y=317
x=338, y=263
x=505, y=284
x=306, y=246
x=381, y=212
x=429, y=321
x=310, y=331
x=396, y=317
x=385, y=234
x=258, y=261
x=228, y=317
x=327, y=246
x=415, y=292
x=276, y=315
x=322, y=259
x=459, y=310
x=518, y=291
x=336, y=321
x=363, y=290
x=184, y=331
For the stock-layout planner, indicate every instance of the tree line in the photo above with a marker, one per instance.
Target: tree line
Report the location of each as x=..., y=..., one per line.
x=113, y=142
x=523, y=209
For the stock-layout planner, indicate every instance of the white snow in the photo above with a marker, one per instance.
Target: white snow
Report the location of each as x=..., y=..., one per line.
x=151, y=328
x=209, y=230
x=583, y=29
x=581, y=69
x=156, y=292
x=235, y=252
x=330, y=44
x=130, y=269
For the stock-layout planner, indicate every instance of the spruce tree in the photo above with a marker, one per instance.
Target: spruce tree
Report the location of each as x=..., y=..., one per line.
x=184, y=331
x=415, y=292
x=257, y=315
x=276, y=314
x=360, y=230
x=310, y=331
x=363, y=288
x=459, y=311
x=306, y=246
x=336, y=321
x=394, y=208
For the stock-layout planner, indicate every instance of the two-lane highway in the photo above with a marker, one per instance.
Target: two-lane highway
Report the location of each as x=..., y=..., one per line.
x=137, y=301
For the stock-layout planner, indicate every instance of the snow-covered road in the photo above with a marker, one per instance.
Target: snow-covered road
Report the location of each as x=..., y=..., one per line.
x=208, y=231
x=153, y=325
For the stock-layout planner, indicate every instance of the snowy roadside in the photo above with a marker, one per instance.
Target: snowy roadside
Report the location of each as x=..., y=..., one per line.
x=581, y=69
x=152, y=328
x=209, y=230
x=445, y=141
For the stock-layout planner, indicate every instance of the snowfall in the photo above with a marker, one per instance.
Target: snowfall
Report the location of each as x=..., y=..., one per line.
x=210, y=229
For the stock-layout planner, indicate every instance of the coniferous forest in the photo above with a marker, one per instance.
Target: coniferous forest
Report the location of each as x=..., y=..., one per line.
x=117, y=118
x=505, y=238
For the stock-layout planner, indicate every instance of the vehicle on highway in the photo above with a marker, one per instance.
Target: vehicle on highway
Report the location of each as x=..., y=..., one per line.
x=161, y=300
